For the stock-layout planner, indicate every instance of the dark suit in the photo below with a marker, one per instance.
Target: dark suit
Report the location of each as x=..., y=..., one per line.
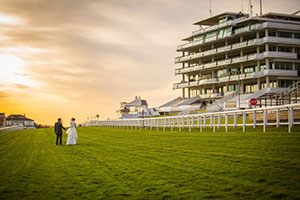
x=58, y=131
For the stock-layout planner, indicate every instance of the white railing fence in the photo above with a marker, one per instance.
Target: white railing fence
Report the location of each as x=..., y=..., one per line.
x=284, y=115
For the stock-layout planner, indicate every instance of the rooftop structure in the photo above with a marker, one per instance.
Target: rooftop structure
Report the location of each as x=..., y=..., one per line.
x=232, y=53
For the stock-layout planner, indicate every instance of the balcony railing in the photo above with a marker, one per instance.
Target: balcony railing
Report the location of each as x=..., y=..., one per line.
x=219, y=50
x=243, y=76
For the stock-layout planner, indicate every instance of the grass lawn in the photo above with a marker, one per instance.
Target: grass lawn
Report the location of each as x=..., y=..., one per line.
x=138, y=164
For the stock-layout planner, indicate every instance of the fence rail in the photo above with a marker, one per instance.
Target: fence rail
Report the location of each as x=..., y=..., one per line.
x=284, y=115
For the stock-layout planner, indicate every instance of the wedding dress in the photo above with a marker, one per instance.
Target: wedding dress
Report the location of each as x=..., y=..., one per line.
x=72, y=134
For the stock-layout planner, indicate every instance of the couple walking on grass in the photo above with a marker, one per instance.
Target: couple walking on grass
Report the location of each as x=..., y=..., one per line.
x=72, y=133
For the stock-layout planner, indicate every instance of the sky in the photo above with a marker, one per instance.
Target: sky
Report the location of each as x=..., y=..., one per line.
x=79, y=58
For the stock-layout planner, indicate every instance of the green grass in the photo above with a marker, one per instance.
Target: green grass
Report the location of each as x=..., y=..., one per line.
x=138, y=164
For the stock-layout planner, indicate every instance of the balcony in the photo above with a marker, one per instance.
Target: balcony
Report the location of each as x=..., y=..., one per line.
x=237, y=31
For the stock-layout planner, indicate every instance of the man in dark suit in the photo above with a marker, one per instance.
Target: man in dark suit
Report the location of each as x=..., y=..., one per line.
x=58, y=130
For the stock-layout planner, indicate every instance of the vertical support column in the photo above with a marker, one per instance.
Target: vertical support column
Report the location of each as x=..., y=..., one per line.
x=292, y=116
x=200, y=124
x=214, y=123
x=254, y=119
x=278, y=118
x=226, y=122
x=244, y=121
x=234, y=119
x=188, y=123
x=265, y=119
x=211, y=118
x=192, y=118
x=289, y=120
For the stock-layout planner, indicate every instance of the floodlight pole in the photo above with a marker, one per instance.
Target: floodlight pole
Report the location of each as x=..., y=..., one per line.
x=260, y=7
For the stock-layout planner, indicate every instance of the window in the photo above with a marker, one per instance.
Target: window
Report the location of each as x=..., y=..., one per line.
x=249, y=70
x=272, y=33
x=285, y=49
x=285, y=83
x=211, y=36
x=222, y=72
x=297, y=67
x=272, y=48
x=283, y=66
x=285, y=34
x=198, y=38
x=227, y=31
x=297, y=35
x=221, y=33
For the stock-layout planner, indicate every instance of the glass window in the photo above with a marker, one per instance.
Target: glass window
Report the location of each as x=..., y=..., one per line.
x=297, y=67
x=297, y=35
x=285, y=34
x=285, y=49
x=285, y=83
x=198, y=38
x=283, y=66
x=249, y=70
x=272, y=33
x=221, y=33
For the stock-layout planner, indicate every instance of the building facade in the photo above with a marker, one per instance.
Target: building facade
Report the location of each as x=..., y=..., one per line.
x=20, y=120
x=136, y=108
x=233, y=52
x=2, y=120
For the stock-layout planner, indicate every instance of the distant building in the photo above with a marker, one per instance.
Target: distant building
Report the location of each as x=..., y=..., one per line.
x=2, y=120
x=19, y=120
x=136, y=108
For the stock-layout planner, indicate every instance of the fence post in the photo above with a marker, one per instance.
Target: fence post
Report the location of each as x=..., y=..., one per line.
x=219, y=121
x=234, y=119
x=278, y=118
x=156, y=123
x=178, y=123
x=204, y=121
x=254, y=119
x=244, y=121
x=183, y=123
x=226, y=122
x=211, y=118
x=172, y=124
x=198, y=121
x=214, y=123
x=265, y=119
x=289, y=120
x=188, y=123
x=192, y=118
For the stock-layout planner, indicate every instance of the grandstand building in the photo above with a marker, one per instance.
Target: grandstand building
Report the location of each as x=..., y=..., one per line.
x=233, y=53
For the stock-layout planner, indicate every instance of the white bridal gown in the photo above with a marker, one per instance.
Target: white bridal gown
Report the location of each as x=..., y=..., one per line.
x=72, y=134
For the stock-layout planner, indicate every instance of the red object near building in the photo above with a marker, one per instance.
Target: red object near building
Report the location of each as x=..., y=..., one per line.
x=253, y=102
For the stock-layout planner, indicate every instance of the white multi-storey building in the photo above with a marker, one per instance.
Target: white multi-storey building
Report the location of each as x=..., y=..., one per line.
x=233, y=52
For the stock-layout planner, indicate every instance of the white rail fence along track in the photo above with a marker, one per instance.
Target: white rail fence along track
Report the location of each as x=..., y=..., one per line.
x=276, y=116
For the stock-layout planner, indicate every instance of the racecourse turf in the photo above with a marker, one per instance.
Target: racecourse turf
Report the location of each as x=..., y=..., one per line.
x=111, y=163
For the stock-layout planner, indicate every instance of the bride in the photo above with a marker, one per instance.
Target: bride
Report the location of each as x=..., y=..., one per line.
x=72, y=133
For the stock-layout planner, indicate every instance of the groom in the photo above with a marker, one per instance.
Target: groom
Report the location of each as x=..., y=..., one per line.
x=58, y=130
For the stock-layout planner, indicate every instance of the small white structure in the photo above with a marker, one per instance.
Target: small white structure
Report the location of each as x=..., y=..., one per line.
x=12, y=120
x=136, y=108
